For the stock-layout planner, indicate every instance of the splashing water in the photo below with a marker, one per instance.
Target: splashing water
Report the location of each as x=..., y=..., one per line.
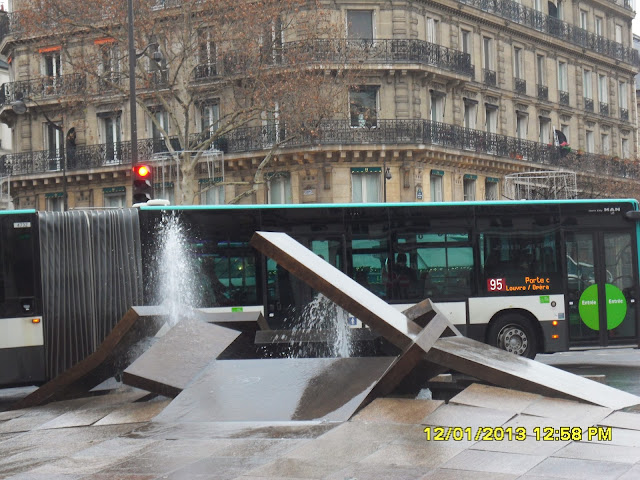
x=321, y=314
x=176, y=272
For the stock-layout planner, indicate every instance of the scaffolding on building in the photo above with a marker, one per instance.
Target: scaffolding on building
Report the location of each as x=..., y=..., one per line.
x=542, y=185
x=167, y=170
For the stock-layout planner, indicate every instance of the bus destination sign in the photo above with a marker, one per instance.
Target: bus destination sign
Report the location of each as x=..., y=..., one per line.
x=529, y=284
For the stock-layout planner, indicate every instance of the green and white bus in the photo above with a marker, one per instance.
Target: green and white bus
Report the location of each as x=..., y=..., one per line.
x=527, y=276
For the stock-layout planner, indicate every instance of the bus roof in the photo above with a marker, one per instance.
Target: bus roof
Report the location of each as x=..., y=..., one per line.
x=634, y=202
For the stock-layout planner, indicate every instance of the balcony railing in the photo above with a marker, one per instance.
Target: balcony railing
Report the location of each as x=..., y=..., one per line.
x=328, y=133
x=42, y=88
x=624, y=114
x=588, y=104
x=520, y=86
x=512, y=10
x=543, y=92
x=489, y=77
x=563, y=97
x=323, y=51
x=604, y=108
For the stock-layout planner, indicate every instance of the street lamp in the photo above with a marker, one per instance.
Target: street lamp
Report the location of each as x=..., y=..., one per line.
x=387, y=176
x=19, y=107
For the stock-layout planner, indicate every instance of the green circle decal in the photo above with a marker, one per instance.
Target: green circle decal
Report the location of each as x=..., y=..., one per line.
x=616, y=306
x=588, y=307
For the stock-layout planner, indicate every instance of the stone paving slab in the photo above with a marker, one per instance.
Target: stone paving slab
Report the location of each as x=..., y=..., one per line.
x=496, y=398
x=384, y=441
x=626, y=420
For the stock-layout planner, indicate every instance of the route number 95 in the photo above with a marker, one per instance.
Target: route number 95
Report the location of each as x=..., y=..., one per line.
x=495, y=284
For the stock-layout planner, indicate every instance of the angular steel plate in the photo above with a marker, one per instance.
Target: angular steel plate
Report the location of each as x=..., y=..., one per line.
x=111, y=357
x=176, y=358
x=277, y=390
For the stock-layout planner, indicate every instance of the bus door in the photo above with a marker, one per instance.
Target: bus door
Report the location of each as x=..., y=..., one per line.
x=601, y=288
x=287, y=296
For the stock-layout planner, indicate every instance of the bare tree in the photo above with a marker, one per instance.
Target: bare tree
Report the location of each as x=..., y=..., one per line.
x=223, y=64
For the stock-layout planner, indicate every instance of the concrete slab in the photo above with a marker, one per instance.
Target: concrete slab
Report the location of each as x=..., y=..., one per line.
x=496, y=398
x=570, y=468
x=626, y=420
x=137, y=413
x=466, y=416
x=600, y=451
x=277, y=389
x=507, y=370
x=397, y=410
x=176, y=358
x=111, y=357
x=494, y=462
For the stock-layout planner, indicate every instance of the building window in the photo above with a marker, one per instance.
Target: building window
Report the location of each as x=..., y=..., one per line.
x=564, y=128
x=466, y=41
x=603, y=96
x=487, y=54
x=363, y=106
x=212, y=195
x=587, y=85
x=115, y=200
x=517, y=63
x=583, y=19
x=360, y=24
x=470, y=112
x=625, y=148
x=545, y=130
x=591, y=144
x=109, y=66
x=280, y=189
x=491, y=118
x=366, y=187
x=432, y=30
x=560, y=10
x=158, y=70
x=563, y=80
x=207, y=55
x=55, y=203
x=540, y=70
x=110, y=127
x=51, y=70
x=53, y=142
x=522, y=125
x=209, y=118
x=436, y=185
x=618, y=33
x=604, y=143
x=622, y=100
x=599, y=24
x=491, y=189
x=437, y=106
x=469, y=188
x=161, y=124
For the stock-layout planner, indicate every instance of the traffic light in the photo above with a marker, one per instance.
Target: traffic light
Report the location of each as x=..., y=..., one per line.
x=142, y=183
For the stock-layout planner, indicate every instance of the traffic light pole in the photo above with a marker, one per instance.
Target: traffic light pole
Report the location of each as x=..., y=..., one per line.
x=132, y=88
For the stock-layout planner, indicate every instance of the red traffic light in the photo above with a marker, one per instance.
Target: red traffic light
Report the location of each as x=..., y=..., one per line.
x=142, y=171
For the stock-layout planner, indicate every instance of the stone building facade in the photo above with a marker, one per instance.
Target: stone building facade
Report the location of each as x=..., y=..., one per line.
x=453, y=96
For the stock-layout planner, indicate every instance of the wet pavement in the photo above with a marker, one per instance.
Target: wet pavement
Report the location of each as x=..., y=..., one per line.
x=118, y=435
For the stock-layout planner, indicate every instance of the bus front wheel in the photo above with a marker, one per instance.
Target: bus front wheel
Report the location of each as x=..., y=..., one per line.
x=514, y=333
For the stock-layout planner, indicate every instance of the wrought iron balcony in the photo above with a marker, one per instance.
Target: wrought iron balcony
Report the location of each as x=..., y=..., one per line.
x=512, y=10
x=205, y=71
x=588, y=104
x=520, y=86
x=489, y=77
x=563, y=97
x=111, y=81
x=604, y=108
x=543, y=92
x=624, y=114
x=43, y=88
x=341, y=51
x=328, y=133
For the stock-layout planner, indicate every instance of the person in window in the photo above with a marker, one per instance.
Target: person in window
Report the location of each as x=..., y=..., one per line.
x=71, y=148
x=402, y=278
